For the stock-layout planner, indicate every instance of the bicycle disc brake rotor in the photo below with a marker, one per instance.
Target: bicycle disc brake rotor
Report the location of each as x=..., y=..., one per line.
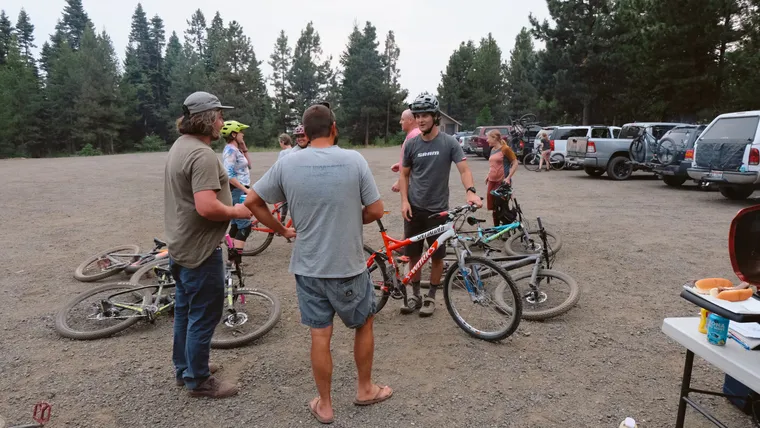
x=236, y=320
x=530, y=297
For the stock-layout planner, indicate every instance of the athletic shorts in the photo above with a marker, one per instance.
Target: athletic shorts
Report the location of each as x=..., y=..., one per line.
x=421, y=223
x=319, y=299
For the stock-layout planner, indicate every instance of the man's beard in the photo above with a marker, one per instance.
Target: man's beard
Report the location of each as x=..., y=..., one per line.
x=429, y=130
x=215, y=134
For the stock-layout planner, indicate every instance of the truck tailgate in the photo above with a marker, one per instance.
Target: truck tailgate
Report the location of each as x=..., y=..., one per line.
x=576, y=147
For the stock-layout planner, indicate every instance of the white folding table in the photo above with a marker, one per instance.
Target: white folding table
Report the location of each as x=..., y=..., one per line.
x=732, y=359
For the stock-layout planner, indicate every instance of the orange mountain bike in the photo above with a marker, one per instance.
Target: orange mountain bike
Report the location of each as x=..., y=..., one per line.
x=469, y=286
x=262, y=236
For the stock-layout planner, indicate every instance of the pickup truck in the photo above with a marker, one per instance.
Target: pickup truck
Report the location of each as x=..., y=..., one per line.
x=561, y=134
x=727, y=153
x=611, y=155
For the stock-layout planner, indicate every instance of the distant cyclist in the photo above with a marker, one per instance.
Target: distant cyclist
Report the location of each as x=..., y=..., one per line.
x=502, y=167
x=301, y=141
x=238, y=165
x=408, y=125
x=285, y=145
x=546, y=150
x=424, y=186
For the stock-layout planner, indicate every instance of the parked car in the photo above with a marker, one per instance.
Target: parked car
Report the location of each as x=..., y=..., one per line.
x=466, y=143
x=727, y=153
x=561, y=134
x=676, y=152
x=611, y=155
x=479, y=140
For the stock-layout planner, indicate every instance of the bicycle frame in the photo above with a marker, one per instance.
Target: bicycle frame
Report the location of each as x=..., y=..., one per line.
x=277, y=213
x=504, y=228
x=447, y=232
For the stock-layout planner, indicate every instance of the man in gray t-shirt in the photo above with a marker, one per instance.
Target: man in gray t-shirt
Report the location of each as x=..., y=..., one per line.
x=426, y=163
x=331, y=194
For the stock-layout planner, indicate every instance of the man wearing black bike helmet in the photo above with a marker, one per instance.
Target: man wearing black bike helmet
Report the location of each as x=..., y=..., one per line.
x=427, y=162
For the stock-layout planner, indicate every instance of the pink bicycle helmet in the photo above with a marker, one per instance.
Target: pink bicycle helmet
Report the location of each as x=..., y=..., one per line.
x=299, y=130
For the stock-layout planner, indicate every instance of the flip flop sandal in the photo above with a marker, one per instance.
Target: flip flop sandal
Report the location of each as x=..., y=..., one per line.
x=378, y=397
x=320, y=419
x=427, y=309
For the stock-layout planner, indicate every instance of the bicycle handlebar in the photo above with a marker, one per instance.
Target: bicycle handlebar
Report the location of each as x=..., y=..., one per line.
x=455, y=211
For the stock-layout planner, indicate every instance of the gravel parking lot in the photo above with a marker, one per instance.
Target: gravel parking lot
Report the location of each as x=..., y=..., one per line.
x=629, y=245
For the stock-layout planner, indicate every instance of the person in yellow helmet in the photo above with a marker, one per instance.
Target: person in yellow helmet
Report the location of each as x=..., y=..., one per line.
x=238, y=165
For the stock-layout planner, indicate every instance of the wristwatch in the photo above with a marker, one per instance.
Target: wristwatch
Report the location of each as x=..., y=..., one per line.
x=472, y=189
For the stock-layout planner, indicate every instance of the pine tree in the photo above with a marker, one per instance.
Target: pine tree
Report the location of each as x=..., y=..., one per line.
x=520, y=75
x=281, y=61
x=215, y=38
x=99, y=114
x=394, y=95
x=455, y=91
x=195, y=35
x=73, y=23
x=21, y=98
x=363, y=97
x=309, y=75
x=240, y=83
x=6, y=33
x=25, y=33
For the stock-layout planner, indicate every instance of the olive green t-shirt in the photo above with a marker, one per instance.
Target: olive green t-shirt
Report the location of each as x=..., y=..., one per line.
x=192, y=166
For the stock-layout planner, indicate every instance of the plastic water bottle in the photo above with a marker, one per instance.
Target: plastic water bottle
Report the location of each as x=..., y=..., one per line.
x=242, y=198
x=628, y=423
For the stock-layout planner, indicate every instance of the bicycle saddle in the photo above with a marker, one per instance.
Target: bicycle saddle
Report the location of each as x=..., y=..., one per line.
x=472, y=221
x=159, y=243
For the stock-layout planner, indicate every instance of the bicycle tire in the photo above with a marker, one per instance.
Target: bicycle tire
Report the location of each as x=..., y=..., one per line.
x=137, y=276
x=380, y=263
x=516, y=315
x=61, y=324
x=554, y=248
x=250, y=250
x=528, y=119
x=527, y=314
x=245, y=339
x=529, y=162
x=557, y=159
x=637, y=151
x=79, y=274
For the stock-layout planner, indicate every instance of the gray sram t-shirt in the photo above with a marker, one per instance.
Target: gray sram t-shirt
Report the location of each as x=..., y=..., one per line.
x=431, y=164
x=326, y=190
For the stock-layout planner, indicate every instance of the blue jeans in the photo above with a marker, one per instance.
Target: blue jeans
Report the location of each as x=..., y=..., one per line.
x=198, y=307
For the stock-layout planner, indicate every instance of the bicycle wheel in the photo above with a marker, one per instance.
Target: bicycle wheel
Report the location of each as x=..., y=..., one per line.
x=254, y=313
x=257, y=241
x=530, y=161
x=484, y=278
x=100, y=306
x=378, y=274
x=517, y=246
x=105, y=264
x=557, y=293
x=528, y=119
x=557, y=161
x=147, y=276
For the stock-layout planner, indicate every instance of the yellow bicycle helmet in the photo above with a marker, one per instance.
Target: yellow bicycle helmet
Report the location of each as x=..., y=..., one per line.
x=231, y=126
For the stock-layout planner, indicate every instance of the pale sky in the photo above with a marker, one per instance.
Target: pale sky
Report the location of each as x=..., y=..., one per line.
x=427, y=31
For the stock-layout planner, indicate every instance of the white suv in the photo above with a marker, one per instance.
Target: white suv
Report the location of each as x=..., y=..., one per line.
x=728, y=154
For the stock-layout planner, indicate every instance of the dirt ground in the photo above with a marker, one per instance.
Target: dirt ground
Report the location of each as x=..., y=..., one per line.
x=630, y=245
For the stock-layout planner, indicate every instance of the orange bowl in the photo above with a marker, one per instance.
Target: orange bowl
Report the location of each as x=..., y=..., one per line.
x=707, y=284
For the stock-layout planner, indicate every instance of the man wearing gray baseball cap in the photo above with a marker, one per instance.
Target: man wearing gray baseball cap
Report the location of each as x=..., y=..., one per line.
x=197, y=210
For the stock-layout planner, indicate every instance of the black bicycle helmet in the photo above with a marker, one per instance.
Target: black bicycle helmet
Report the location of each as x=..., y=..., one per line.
x=425, y=103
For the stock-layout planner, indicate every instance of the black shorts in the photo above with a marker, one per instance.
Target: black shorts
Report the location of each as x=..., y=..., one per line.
x=421, y=223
